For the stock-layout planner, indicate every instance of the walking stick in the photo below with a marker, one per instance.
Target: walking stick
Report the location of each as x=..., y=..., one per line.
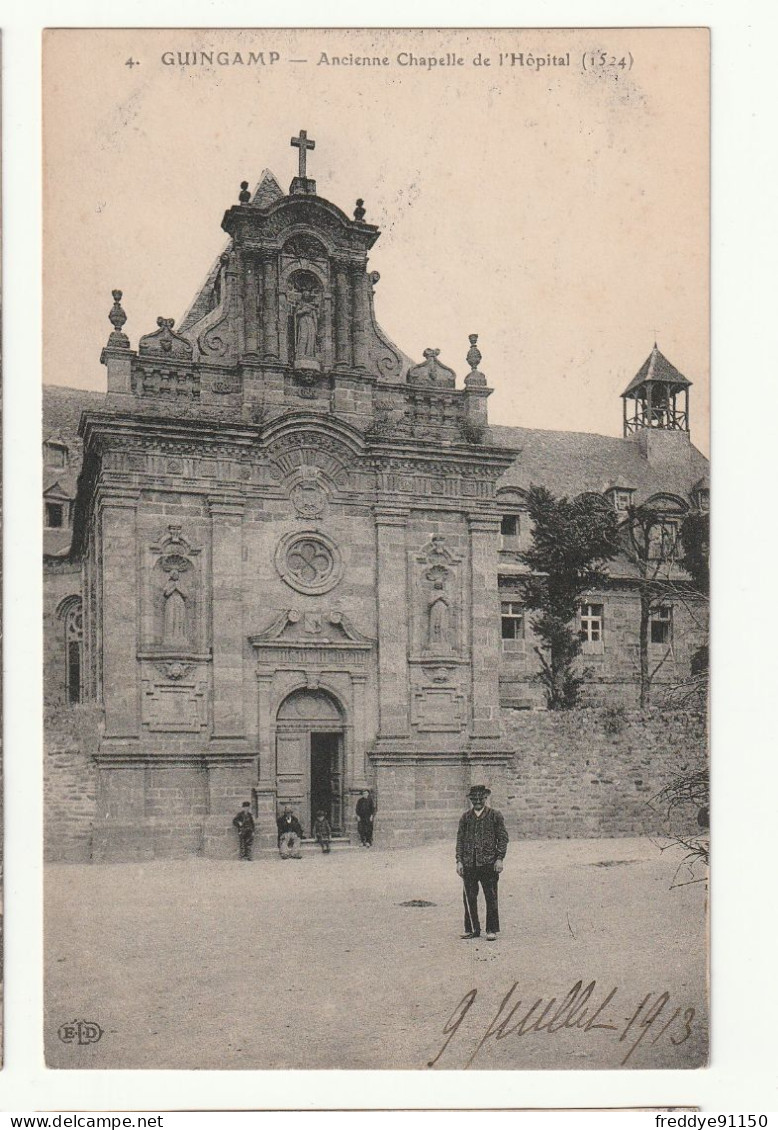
x=469, y=907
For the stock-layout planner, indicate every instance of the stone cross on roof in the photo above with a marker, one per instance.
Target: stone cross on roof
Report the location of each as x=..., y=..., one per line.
x=303, y=144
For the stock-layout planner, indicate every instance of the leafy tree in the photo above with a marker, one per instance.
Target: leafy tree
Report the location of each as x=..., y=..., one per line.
x=656, y=549
x=571, y=542
x=649, y=551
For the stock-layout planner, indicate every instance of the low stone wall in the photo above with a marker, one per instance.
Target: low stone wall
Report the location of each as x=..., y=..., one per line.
x=592, y=771
x=588, y=772
x=70, y=784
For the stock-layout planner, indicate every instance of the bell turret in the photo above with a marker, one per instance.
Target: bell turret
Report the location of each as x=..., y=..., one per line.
x=651, y=400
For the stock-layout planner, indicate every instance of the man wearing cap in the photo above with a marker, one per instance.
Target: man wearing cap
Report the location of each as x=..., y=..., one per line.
x=482, y=842
x=244, y=822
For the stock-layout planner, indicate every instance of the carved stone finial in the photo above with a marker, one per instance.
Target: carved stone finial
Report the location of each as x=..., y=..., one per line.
x=474, y=378
x=431, y=371
x=374, y=278
x=164, y=340
x=359, y=211
x=244, y=196
x=117, y=318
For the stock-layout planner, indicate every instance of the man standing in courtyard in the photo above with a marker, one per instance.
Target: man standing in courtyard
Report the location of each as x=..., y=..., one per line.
x=244, y=822
x=482, y=842
x=290, y=833
x=365, y=817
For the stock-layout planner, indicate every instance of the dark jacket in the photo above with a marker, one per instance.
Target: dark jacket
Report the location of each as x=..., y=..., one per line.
x=481, y=839
x=292, y=825
x=322, y=827
x=365, y=808
x=244, y=822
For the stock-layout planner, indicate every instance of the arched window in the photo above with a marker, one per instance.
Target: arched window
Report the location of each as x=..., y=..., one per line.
x=74, y=644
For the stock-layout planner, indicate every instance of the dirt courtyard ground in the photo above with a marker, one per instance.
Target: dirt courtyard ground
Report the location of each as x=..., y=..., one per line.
x=317, y=964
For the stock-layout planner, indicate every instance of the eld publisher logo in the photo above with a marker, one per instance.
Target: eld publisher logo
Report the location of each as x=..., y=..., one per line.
x=80, y=1032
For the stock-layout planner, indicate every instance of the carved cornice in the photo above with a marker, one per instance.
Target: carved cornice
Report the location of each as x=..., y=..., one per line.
x=226, y=507
x=116, y=497
x=391, y=515
x=484, y=523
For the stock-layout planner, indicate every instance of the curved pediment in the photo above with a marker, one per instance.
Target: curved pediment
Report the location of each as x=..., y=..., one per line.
x=666, y=502
x=303, y=441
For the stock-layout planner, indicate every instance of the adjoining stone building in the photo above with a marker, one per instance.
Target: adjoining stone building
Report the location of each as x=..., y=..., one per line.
x=282, y=559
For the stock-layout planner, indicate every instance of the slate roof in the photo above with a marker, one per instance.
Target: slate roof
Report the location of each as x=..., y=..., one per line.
x=62, y=408
x=569, y=463
x=656, y=369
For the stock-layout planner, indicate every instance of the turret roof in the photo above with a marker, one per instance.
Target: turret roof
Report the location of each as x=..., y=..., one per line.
x=656, y=369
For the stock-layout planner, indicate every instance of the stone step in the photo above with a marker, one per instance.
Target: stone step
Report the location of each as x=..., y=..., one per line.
x=337, y=843
x=309, y=846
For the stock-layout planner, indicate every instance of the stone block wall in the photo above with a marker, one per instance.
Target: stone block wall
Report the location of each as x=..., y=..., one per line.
x=611, y=666
x=423, y=798
x=592, y=771
x=585, y=773
x=70, y=785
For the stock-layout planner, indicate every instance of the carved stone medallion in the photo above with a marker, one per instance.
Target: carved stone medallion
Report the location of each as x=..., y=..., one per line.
x=309, y=499
x=309, y=562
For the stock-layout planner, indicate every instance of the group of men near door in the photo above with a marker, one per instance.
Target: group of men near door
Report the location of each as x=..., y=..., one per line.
x=482, y=841
x=290, y=830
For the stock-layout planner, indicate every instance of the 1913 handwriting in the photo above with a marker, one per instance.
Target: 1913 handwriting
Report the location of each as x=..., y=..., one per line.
x=654, y=1016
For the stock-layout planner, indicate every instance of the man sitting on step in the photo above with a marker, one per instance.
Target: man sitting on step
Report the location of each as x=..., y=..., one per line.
x=290, y=833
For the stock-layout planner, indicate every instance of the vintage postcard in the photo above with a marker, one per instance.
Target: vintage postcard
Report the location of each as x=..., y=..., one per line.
x=375, y=433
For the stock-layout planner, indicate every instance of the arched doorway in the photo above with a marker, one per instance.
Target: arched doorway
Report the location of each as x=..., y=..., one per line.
x=309, y=756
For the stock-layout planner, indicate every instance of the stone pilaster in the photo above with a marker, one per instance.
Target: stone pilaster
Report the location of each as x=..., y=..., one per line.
x=118, y=510
x=359, y=317
x=227, y=617
x=267, y=753
x=118, y=363
x=343, y=306
x=270, y=307
x=391, y=568
x=234, y=300
x=251, y=305
x=485, y=622
x=229, y=784
x=359, y=685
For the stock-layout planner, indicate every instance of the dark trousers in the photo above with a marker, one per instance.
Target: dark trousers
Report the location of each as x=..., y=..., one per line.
x=245, y=845
x=488, y=878
x=365, y=829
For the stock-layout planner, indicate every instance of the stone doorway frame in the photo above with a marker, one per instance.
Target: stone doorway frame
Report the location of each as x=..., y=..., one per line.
x=295, y=736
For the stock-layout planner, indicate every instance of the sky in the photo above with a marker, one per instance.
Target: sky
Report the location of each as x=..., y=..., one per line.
x=559, y=211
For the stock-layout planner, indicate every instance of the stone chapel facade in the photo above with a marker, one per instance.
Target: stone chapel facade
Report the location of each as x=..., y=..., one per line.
x=288, y=569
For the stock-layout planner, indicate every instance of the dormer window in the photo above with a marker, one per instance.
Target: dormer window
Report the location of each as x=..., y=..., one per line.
x=703, y=499
x=620, y=498
x=55, y=454
x=55, y=515
x=663, y=540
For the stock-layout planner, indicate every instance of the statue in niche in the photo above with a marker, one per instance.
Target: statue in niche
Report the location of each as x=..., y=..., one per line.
x=174, y=630
x=439, y=629
x=306, y=328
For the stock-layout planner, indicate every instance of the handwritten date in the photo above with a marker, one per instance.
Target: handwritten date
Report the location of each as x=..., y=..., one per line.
x=582, y=1008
